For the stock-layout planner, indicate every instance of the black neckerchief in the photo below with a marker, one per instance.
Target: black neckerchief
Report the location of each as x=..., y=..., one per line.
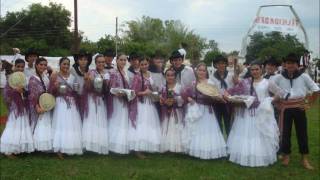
x=222, y=79
x=247, y=75
x=296, y=74
x=267, y=76
x=131, y=69
x=108, y=67
x=76, y=68
x=179, y=70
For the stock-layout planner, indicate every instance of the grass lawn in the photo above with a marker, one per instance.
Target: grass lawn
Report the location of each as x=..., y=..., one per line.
x=159, y=166
x=3, y=108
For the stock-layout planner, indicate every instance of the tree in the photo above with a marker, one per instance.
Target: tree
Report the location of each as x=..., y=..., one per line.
x=213, y=45
x=274, y=44
x=45, y=28
x=106, y=42
x=150, y=35
x=89, y=46
x=213, y=52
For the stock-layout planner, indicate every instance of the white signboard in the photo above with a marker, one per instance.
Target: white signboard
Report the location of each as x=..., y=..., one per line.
x=268, y=24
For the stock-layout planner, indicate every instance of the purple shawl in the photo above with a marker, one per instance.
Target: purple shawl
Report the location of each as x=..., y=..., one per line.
x=244, y=88
x=15, y=101
x=88, y=90
x=166, y=111
x=116, y=81
x=200, y=98
x=137, y=86
x=68, y=96
x=35, y=89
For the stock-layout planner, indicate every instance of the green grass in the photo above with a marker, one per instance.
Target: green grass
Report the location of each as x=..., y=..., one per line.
x=159, y=166
x=3, y=108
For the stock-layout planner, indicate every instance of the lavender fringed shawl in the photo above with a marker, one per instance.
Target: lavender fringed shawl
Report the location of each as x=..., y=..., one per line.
x=35, y=89
x=166, y=111
x=88, y=90
x=70, y=94
x=200, y=98
x=15, y=101
x=243, y=88
x=115, y=82
x=137, y=87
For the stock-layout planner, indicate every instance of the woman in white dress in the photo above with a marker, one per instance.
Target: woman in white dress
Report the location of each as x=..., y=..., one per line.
x=172, y=125
x=254, y=136
x=40, y=120
x=144, y=130
x=95, y=125
x=66, y=124
x=16, y=138
x=203, y=135
x=117, y=108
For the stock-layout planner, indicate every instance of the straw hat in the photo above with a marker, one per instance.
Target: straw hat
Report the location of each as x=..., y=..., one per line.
x=208, y=89
x=17, y=80
x=47, y=101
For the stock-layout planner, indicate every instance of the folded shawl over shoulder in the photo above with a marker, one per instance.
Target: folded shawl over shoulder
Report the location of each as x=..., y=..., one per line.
x=88, y=89
x=15, y=101
x=245, y=88
x=166, y=111
x=35, y=88
x=117, y=80
x=68, y=95
x=191, y=91
x=139, y=84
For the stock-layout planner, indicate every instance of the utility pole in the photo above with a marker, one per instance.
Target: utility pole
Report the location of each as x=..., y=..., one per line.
x=116, y=36
x=0, y=18
x=0, y=8
x=76, y=42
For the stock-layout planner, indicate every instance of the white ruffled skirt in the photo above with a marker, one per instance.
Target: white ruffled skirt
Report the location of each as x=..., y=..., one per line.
x=42, y=134
x=253, y=139
x=66, y=128
x=203, y=138
x=171, y=133
x=17, y=135
x=146, y=135
x=118, y=128
x=95, y=127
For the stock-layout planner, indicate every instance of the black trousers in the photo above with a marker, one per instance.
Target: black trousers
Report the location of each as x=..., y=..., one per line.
x=221, y=111
x=298, y=116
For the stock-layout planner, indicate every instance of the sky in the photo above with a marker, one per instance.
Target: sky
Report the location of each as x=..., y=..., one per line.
x=225, y=21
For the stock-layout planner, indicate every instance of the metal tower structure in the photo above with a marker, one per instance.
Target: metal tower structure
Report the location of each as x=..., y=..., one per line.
x=244, y=44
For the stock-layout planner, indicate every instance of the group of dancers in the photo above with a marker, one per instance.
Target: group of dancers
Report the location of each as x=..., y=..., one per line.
x=181, y=120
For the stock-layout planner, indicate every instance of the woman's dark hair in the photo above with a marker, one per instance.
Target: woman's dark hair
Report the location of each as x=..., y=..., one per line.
x=122, y=77
x=141, y=74
x=19, y=61
x=38, y=61
x=121, y=54
x=165, y=73
x=62, y=59
x=258, y=63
